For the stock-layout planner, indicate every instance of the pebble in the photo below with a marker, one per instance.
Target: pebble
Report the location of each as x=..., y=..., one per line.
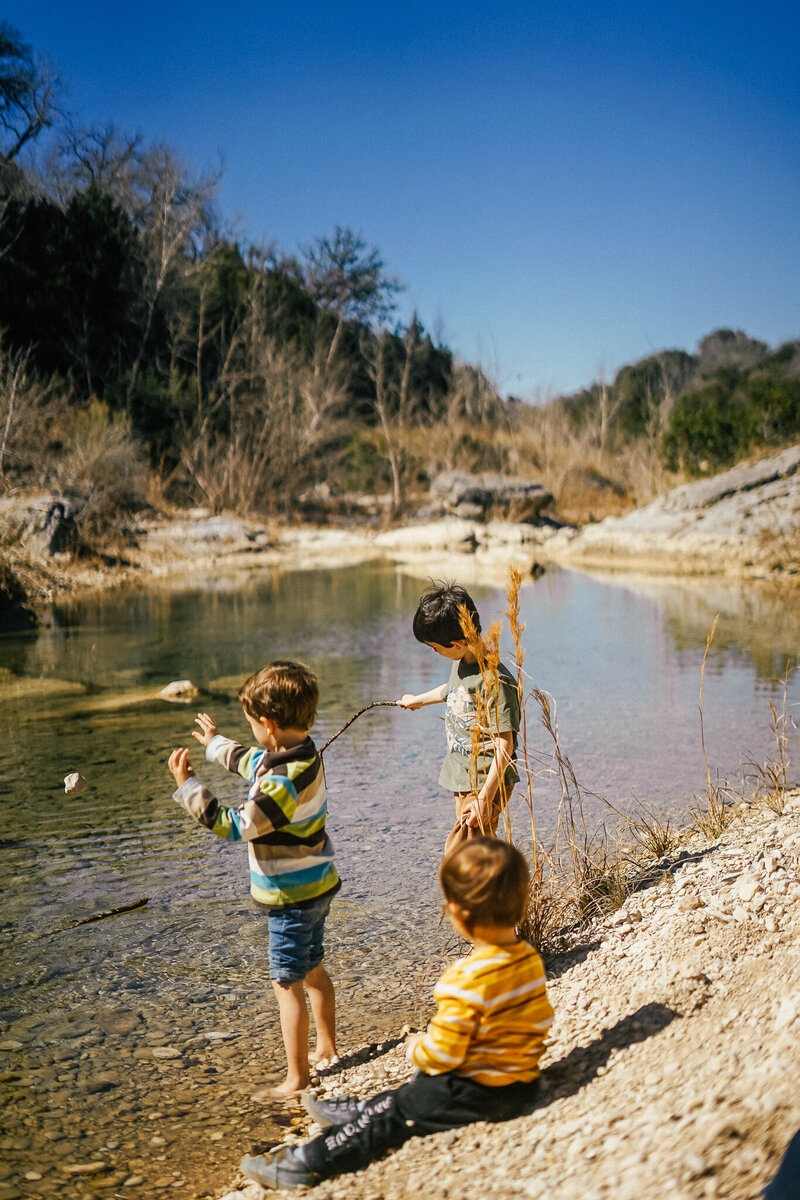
x=746, y=887
x=74, y=784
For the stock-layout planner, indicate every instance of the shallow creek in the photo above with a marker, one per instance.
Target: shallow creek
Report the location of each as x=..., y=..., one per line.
x=130, y=1046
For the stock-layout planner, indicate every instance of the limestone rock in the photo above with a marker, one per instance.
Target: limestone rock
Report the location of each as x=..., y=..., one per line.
x=478, y=497
x=180, y=690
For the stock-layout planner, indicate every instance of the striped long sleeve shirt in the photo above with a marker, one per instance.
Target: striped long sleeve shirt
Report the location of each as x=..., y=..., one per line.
x=491, y=1019
x=282, y=820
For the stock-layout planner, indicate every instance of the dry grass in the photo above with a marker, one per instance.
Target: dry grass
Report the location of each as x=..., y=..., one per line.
x=580, y=872
x=769, y=780
x=713, y=815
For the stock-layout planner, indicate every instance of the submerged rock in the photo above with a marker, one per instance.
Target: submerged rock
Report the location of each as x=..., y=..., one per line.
x=181, y=690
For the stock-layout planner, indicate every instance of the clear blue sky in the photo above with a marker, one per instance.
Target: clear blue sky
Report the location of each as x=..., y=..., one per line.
x=563, y=187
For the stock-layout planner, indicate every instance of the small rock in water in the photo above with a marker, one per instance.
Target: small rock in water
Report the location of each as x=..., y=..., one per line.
x=74, y=783
x=179, y=690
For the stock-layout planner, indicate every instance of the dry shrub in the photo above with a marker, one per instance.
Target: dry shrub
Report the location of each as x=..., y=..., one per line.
x=101, y=461
x=26, y=405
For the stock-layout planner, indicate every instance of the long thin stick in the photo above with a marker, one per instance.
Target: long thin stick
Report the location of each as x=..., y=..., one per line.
x=366, y=708
x=112, y=912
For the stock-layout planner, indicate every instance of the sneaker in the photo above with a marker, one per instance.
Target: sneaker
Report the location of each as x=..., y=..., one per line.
x=281, y=1169
x=336, y=1111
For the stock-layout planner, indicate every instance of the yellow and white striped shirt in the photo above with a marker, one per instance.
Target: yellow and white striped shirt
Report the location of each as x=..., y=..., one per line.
x=491, y=1017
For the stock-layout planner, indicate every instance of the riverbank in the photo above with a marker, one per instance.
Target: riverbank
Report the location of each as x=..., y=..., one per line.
x=672, y=1069
x=743, y=524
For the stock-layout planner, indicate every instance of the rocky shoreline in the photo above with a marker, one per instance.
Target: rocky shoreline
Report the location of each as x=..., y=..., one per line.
x=742, y=524
x=672, y=1070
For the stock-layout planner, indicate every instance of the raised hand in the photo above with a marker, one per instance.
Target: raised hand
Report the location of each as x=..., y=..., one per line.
x=207, y=729
x=180, y=766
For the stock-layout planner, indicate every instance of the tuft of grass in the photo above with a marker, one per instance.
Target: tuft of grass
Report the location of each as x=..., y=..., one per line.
x=769, y=780
x=654, y=836
x=713, y=815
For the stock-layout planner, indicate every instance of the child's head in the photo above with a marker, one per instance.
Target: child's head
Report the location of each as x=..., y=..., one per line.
x=284, y=692
x=485, y=882
x=437, y=620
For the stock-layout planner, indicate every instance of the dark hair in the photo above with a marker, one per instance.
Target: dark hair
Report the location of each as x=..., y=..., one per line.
x=487, y=879
x=285, y=692
x=438, y=619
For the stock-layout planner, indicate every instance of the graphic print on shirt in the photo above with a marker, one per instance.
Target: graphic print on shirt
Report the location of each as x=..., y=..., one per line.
x=461, y=714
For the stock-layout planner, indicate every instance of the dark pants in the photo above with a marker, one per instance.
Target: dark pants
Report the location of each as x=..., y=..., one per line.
x=428, y=1104
x=786, y=1184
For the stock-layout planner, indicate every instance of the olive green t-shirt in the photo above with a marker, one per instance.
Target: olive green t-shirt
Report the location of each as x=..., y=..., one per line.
x=460, y=716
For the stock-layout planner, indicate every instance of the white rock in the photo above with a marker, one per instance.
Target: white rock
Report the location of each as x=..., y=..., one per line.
x=180, y=690
x=787, y=1013
x=746, y=887
x=74, y=783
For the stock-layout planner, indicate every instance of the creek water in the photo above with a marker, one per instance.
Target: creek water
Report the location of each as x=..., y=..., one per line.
x=130, y=1046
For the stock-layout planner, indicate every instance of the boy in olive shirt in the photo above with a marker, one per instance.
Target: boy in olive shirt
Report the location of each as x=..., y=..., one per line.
x=473, y=775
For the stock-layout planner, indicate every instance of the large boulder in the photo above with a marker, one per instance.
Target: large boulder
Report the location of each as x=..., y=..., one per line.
x=486, y=497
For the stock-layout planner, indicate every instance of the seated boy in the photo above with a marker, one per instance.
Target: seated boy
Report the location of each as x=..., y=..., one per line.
x=292, y=873
x=477, y=760
x=478, y=1060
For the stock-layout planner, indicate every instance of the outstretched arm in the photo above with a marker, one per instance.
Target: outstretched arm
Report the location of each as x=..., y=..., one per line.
x=436, y=695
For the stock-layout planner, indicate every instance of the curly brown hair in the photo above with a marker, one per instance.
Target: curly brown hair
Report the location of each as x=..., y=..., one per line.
x=285, y=692
x=488, y=880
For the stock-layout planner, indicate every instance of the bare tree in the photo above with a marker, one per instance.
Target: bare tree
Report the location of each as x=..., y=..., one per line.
x=29, y=91
x=97, y=154
x=347, y=278
x=174, y=212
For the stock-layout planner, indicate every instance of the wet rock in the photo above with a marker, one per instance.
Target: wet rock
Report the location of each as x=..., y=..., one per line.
x=74, y=783
x=90, y=1168
x=117, y=1020
x=180, y=690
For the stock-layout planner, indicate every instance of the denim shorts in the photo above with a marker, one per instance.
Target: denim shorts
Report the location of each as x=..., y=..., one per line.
x=295, y=940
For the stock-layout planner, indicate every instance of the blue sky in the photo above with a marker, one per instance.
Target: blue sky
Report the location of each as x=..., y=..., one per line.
x=562, y=187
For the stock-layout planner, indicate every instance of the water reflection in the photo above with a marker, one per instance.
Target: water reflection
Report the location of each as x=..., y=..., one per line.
x=622, y=663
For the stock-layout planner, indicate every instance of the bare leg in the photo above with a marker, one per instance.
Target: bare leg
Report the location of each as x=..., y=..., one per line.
x=323, y=1010
x=294, y=1028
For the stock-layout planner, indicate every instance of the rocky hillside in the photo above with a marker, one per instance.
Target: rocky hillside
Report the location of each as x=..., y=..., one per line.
x=745, y=521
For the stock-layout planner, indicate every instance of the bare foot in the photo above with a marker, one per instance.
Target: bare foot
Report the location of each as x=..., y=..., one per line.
x=284, y=1091
x=324, y=1057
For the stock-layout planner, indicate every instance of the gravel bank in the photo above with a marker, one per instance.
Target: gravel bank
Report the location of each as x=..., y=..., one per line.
x=672, y=1071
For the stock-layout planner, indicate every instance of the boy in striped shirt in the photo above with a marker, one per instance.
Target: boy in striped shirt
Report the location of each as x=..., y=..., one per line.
x=292, y=873
x=478, y=1059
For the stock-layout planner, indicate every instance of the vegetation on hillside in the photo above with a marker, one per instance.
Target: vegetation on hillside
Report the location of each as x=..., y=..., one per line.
x=147, y=356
